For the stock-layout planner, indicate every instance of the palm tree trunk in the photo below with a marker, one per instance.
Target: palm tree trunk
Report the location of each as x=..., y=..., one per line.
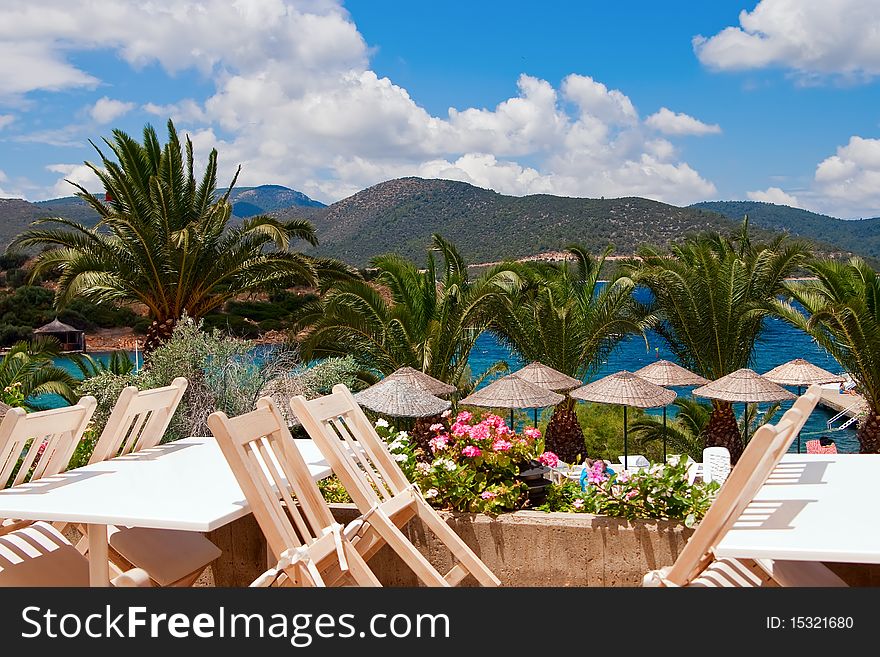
x=869, y=433
x=160, y=330
x=564, y=436
x=723, y=430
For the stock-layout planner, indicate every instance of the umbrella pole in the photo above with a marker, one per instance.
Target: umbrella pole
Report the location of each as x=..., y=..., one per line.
x=799, y=433
x=625, y=444
x=746, y=423
x=664, y=434
x=536, y=418
x=512, y=428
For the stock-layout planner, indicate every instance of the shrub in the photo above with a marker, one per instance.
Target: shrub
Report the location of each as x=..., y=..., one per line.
x=320, y=378
x=661, y=492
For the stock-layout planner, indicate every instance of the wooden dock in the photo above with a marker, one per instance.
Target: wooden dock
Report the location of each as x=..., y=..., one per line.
x=838, y=402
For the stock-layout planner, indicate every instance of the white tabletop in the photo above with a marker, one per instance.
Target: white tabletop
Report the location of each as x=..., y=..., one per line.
x=181, y=485
x=813, y=507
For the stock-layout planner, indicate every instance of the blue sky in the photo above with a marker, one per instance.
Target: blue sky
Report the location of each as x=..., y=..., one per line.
x=680, y=100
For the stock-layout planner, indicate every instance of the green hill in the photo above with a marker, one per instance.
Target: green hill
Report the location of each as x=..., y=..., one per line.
x=859, y=236
x=400, y=216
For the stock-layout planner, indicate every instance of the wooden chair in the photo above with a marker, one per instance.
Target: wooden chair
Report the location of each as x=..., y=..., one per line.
x=697, y=565
x=41, y=444
x=138, y=421
x=300, y=530
x=39, y=555
x=382, y=493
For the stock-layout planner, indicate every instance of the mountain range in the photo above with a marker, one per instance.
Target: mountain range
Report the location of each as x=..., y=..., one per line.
x=400, y=215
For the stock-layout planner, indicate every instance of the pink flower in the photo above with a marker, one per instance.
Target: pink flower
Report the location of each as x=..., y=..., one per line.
x=479, y=431
x=436, y=427
x=549, y=459
x=488, y=495
x=578, y=503
x=460, y=429
x=532, y=432
x=495, y=421
x=631, y=494
x=471, y=452
x=439, y=442
x=501, y=445
x=503, y=430
x=463, y=417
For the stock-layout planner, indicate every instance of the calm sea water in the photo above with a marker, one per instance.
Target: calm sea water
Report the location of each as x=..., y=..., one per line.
x=780, y=343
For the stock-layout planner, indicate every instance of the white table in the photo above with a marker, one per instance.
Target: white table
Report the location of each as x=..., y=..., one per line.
x=813, y=507
x=181, y=485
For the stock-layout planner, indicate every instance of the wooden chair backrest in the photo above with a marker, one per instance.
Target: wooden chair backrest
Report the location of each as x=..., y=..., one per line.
x=139, y=420
x=53, y=436
x=273, y=476
x=349, y=442
x=758, y=460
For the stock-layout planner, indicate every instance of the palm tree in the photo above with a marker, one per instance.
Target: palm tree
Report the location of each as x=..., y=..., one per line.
x=842, y=313
x=711, y=296
x=685, y=433
x=565, y=317
x=427, y=318
x=27, y=371
x=165, y=241
x=119, y=362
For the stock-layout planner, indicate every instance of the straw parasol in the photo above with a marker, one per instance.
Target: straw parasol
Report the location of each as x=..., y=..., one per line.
x=513, y=392
x=398, y=399
x=625, y=389
x=546, y=377
x=422, y=381
x=4, y=408
x=746, y=386
x=800, y=373
x=669, y=374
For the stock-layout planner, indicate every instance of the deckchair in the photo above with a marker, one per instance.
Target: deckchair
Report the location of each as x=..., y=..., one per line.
x=138, y=421
x=39, y=555
x=300, y=530
x=697, y=565
x=380, y=490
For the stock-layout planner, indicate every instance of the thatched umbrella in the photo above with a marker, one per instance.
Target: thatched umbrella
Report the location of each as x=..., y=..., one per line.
x=420, y=380
x=800, y=373
x=548, y=378
x=3, y=409
x=513, y=392
x=746, y=386
x=625, y=389
x=671, y=375
x=398, y=399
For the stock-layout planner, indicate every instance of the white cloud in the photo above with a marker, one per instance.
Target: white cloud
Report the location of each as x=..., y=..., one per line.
x=811, y=37
x=678, y=123
x=77, y=173
x=5, y=120
x=774, y=195
x=850, y=180
x=107, y=109
x=296, y=103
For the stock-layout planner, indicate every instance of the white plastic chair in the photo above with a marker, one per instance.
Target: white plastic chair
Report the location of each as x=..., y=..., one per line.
x=634, y=461
x=716, y=464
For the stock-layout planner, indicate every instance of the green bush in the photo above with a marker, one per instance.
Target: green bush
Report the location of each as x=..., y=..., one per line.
x=12, y=260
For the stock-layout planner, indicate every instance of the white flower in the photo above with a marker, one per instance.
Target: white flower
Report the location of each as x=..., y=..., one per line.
x=400, y=458
x=446, y=413
x=424, y=468
x=403, y=435
x=431, y=492
x=382, y=422
x=397, y=444
x=450, y=465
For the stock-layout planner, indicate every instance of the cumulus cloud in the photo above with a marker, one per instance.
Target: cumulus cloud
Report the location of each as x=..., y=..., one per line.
x=850, y=179
x=5, y=120
x=810, y=37
x=774, y=195
x=296, y=103
x=678, y=123
x=76, y=173
x=107, y=109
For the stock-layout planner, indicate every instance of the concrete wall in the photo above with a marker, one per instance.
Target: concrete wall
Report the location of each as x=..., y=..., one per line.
x=527, y=548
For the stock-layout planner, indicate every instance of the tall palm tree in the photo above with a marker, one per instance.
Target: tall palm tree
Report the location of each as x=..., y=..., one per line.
x=711, y=296
x=27, y=371
x=566, y=317
x=426, y=318
x=164, y=239
x=842, y=313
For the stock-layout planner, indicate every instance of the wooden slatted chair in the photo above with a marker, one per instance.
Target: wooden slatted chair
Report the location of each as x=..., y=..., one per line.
x=697, y=565
x=41, y=444
x=39, y=555
x=138, y=421
x=300, y=530
x=380, y=490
